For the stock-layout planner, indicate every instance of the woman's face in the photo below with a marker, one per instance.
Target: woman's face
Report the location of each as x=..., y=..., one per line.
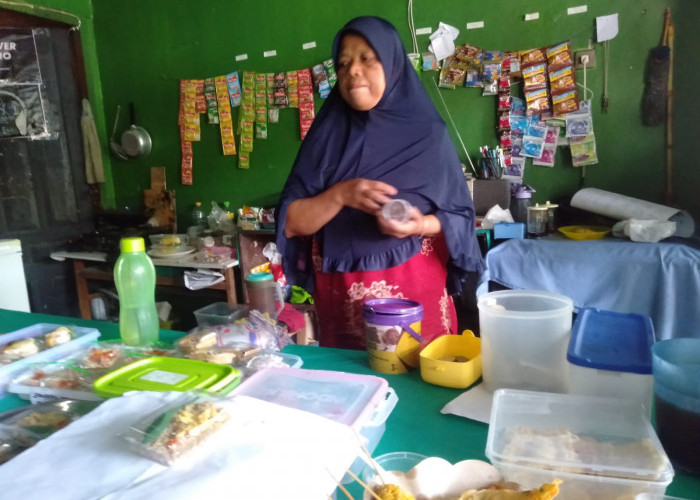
x=360, y=73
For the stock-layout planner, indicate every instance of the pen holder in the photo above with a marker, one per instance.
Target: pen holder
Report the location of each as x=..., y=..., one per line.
x=491, y=168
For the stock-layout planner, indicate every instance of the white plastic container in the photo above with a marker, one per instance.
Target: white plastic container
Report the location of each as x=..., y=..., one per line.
x=524, y=338
x=83, y=336
x=362, y=402
x=598, y=447
x=610, y=355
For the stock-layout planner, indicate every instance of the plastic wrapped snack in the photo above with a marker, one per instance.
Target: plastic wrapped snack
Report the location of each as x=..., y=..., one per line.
x=198, y=340
x=59, y=336
x=177, y=428
x=20, y=349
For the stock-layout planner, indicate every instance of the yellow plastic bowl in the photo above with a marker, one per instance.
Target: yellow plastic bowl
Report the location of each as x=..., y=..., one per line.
x=585, y=232
x=452, y=360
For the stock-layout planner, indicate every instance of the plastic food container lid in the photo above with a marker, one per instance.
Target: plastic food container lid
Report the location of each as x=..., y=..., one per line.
x=351, y=399
x=259, y=277
x=167, y=374
x=393, y=306
x=608, y=340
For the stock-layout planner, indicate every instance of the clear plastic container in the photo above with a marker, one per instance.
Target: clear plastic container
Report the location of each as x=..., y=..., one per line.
x=598, y=447
x=220, y=313
x=169, y=240
x=537, y=220
x=135, y=278
x=524, y=338
x=199, y=218
x=398, y=210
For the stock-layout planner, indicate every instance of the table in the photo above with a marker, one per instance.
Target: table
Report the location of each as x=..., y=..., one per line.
x=83, y=274
x=661, y=280
x=416, y=423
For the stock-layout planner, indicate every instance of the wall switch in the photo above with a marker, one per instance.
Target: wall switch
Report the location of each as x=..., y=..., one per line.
x=579, y=58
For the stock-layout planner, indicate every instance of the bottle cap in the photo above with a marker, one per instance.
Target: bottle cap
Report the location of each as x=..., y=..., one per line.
x=259, y=277
x=132, y=245
x=197, y=203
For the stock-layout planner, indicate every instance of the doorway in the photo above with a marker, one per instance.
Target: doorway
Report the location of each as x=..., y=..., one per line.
x=44, y=198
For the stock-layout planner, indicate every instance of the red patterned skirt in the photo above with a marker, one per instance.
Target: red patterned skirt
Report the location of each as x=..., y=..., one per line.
x=339, y=296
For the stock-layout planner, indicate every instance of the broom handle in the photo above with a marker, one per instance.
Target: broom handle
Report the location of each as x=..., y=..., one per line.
x=669, y=117
x=667, y=23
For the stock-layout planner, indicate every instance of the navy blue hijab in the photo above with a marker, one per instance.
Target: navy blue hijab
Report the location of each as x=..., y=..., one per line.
x=402, y=141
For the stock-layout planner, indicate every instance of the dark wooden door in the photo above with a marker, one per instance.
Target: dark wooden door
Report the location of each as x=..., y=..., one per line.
x=44, y=197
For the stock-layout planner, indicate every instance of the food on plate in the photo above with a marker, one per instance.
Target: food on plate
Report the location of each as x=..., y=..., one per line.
x=170, y=241
x=20, y=349
x=60, y=335
x=178, y=430
x=197, y=341
x=392, y=492
x=544, y=492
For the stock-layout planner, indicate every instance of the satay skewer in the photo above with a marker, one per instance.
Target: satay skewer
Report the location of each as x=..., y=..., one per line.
x=370, y=490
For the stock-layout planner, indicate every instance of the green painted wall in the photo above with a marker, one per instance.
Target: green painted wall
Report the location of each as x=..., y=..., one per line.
x=145, y=47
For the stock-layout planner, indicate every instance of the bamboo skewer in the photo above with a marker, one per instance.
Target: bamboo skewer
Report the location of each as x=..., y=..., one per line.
x=377, y=497
x=340, y=485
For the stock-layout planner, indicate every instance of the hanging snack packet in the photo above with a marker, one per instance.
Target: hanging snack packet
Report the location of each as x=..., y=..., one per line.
x=564, y=103
x=548, y=156
x=260, y=130
x=280, y=93
x=330, y=72
x=318, y=74
x=504, y=120
x=537, y=102
x=429, y=62
x=270, y=89
x=583, y=150
x=535, y=77
x=504, y=100
x=293, y=89
x=514, y=59
x=578, y=124
x=234, y=88
x=517, y=106
x=552, y=136
x=492, y=73
x=473, y=76
x=559, y=55
x=244, y=161
x=453, y=73
x=532, y=56
x=212, y=104
x=273, y=115
x=532, y=146
x=562, y=80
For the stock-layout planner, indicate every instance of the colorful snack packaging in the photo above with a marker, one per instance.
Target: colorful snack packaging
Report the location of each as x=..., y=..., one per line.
x=560, y=55
x=532, y=56
x=318, y=74
x=429, y=62
x=578, y=125
x=453, y=73
x=234, y=88
x=535, y=77
x=330, y=72
x=562, y=80
x=537, y=102
x=583, y=150
x=492, y=73
x=514, y=63
x=532, y=146
x=548, y=156
x=564, y=103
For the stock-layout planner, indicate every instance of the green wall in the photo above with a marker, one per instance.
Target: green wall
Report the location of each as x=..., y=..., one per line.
x=145, y=47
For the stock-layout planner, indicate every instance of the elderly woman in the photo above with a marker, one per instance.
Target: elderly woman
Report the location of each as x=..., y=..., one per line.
x=377, y=137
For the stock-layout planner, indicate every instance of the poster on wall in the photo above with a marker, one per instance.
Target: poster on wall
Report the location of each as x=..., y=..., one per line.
x=22, y=113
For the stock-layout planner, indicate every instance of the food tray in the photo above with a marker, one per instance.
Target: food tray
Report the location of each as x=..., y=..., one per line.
x=83, y=336
x=452, y=360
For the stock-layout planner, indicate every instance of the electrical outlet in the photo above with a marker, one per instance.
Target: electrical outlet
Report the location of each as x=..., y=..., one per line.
x=578, y=58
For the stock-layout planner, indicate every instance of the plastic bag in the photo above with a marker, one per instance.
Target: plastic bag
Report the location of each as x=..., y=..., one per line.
x=219, y=220
x=645, y=231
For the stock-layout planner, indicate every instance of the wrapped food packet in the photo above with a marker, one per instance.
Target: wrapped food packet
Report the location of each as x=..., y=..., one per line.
x=452, y=74
x=177, y=427
x=562, y=80
x=535, y=77
x=565, y=102
x=532, y=56
x=560, y=55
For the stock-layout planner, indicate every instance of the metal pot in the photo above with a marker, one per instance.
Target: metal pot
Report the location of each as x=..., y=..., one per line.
x=135, y=141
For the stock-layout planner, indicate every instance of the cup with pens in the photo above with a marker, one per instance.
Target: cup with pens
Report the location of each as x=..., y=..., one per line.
x=492, y=163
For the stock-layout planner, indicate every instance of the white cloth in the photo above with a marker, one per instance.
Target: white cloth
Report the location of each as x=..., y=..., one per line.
x=94, y=170
x=264, y=451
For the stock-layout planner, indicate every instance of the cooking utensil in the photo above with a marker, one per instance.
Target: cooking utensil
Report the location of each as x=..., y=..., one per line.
x=135, y=141
x=114, y=146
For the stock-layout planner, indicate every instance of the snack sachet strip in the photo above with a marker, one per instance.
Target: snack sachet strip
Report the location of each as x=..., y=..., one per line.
x=212, y=102
x=330, y=72
x=562, y=80
x=234, y=88
x=293, y=89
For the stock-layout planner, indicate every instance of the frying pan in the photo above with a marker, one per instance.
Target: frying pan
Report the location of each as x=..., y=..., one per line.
x=135, y=140
x=114, y=146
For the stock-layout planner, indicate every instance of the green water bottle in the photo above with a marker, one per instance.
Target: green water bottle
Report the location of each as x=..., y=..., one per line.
x=135, y=277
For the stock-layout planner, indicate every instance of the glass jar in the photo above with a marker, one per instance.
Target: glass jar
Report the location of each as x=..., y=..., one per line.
x=537, y=220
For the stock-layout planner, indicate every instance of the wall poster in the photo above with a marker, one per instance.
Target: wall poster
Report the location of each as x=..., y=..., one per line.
x=22, y=107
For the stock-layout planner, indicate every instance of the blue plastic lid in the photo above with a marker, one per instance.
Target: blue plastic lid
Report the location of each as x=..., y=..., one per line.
x=608, y=340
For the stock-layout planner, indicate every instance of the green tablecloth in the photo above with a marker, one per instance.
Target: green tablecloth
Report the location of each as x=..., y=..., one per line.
x=416, y=423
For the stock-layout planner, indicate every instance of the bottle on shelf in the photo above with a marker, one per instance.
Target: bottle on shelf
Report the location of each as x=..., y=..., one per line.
x=199, y=218
x=135, y=278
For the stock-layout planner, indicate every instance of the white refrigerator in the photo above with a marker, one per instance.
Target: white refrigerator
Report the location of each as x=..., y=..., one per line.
x=13, y=285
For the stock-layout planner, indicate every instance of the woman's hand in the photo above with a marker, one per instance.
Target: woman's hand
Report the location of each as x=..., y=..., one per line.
x=364, y=194
x=416, y=225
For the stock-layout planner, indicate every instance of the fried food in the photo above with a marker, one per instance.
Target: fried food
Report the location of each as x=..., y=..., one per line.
x=544, y=492
x=392, y=492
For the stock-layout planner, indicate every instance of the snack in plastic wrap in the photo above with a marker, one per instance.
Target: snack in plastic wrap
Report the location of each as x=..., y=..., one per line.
x=197, y=341
x=60, y=335
x=20, y=349
x=100, y=357
x=177, y=428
